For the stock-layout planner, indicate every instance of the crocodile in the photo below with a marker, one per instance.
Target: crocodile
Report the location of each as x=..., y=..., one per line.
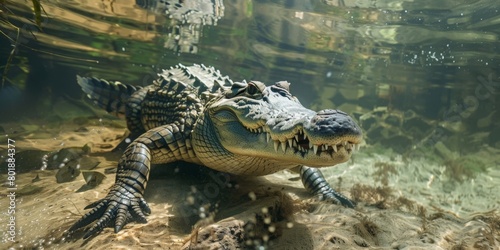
x=197, y=115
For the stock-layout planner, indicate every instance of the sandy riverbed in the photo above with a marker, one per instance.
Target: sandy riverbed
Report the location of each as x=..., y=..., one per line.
x=402, y=203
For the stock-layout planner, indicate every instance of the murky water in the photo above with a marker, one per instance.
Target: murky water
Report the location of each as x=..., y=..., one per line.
x=422, y=78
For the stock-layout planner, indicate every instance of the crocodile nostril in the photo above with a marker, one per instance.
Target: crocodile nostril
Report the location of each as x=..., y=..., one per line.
x=327, y=112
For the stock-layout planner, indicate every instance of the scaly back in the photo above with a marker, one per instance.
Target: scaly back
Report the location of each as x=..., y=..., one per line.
x=177, y=96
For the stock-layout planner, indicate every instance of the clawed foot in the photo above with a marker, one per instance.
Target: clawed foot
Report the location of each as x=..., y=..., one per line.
x=315, y=182
x=119, y=206
x=337, y=198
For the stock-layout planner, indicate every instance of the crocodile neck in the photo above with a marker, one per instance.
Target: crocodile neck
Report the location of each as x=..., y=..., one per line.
x=212, y=154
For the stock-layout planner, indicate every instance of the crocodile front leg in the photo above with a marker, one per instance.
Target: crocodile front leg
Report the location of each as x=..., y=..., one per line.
x=315, y=182
x=125, y=200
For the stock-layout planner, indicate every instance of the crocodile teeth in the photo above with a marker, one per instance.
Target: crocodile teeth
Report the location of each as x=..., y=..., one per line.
x=310, y=144
x=297, y=137
x=268, y=136
x=290, y=142
x=335, y=148
x=357, y=146
x=315, y=148
x=344, y=143
x=283, y=147
x=276, y=145
x=294, y=144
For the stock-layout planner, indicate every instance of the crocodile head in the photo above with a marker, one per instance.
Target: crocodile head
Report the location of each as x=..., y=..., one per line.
x=270, y=125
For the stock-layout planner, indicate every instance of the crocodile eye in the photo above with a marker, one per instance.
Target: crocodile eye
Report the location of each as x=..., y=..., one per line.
x=284, y=85
x=255, y=88
x=252, y=89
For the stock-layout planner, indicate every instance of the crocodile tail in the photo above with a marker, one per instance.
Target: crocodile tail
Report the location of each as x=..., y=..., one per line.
x=111, y=96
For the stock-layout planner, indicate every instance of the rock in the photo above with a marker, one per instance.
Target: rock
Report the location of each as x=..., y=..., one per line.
x=37, y=178
x=227, y=234
x=93, y=178
x=27, y=161
x=67, y=173
x=74, y=156
x=60, y=158
x=248, y=225
x=87, y=148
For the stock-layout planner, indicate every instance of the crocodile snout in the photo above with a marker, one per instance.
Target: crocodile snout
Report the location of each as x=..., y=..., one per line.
x=331, y=121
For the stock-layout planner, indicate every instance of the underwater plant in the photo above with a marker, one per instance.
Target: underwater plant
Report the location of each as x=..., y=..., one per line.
x=5, y=11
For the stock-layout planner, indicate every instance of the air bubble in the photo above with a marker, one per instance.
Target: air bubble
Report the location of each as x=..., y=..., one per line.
x=267, y=220
x=252, y=196
x=265, y=238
